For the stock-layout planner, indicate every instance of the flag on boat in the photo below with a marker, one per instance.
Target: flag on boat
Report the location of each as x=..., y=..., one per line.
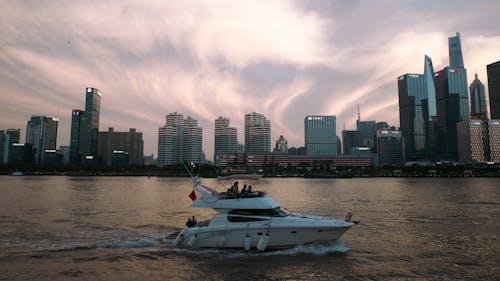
x=192, y=195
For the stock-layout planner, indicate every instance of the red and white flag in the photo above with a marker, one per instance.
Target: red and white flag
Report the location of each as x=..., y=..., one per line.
x=192, y=195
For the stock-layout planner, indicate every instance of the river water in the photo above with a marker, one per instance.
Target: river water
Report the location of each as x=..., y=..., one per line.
x=113, y=228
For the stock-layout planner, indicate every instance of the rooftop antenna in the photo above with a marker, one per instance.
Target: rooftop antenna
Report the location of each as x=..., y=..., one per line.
x=359, y=114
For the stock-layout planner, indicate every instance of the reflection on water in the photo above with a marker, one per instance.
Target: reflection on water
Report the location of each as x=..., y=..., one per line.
x=114, y=228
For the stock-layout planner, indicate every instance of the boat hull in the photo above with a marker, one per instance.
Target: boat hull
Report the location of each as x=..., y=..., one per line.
x=279, y=238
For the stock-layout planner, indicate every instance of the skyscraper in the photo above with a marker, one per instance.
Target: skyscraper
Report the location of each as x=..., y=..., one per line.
x=494, y=88
x=320, y=135
x=193, y=139
x=41, y=132
x=412, y=114
x=390, y=148
x=257, y=134
x=473, y=140
x=452, y=108
x=78, y=124
x=281, y=145
x=179, y=140
x=11, y=136
x=478, y=98
x=455, y=51
x=225, y=138
x=90, y=133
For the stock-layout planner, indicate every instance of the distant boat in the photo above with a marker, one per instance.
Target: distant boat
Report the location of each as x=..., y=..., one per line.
x=240, y=177
x=17, y=173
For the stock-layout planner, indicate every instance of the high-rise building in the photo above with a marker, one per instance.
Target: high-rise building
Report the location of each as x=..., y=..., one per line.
x=452, y=108
x=494, y=88
x=11, y=136
x=350, y=140
x=257, y=134
x=179, y=140
x=130, y=142
x=41, y=132
x=367, y=130
x=478, y=98
x=21, y=153
x=281, y=145
x=78, y=124
x=455, y=51
x=390, y=148
x=89, y=135
x=412, y=114
x=193, y=139
x=320, y=135
x=225, y=138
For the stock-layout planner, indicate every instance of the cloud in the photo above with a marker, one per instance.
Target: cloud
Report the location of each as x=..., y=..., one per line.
x=205, y=59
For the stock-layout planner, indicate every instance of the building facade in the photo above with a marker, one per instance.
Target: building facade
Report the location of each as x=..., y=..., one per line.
x=89, y=130
x=478, y=98
x=281, y=145
x=257, y=134
x=493, y=71
x=41, y=132
x=455, y=51
x=473, y=141
x=494, y=140
x=320, y=135
x=225, y=138
x=367, y=130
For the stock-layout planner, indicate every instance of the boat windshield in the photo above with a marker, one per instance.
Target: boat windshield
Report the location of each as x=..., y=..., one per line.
x=275, y=212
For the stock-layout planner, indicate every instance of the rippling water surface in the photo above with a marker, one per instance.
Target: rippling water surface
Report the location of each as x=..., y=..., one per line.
x=113, y=228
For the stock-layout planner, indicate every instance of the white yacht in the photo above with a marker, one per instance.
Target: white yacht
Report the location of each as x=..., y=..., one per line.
x=252, y=220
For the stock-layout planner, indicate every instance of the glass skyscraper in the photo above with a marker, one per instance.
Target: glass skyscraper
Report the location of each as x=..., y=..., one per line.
x=41, y=132
x=478, y=98
x=452, y=108
x=413, y=114
x=77, y=125
x=320, y=135
x=494, y=88
x=455, y=51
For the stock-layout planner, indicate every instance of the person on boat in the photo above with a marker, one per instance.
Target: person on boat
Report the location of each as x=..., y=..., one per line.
x=235, y=188
x=190, y=223
x=348, y=216
x=243, y=192
x=194, y=221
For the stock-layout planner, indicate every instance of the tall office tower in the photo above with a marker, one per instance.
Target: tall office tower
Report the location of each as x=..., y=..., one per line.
x=367, y=130
x=89, y=133
x=412, y=115
x=494, y=138
x=320, y=135
x=225, y=138
x=452, y=108
x=494, y=88
x=171, y=140
x=78, y=124
x=350, y=140
x=390, y=148
x=130, y=142
x=281, y=145
x=429, y=107
x=11, y=136
x=193, y=139
x=41, y=132
x=455, y=52
x=478, y=98
x=257, y=134
x=473, y=140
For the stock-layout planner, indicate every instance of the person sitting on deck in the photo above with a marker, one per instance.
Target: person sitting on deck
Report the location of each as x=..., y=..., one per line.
x=190, y=223
x=243, y=192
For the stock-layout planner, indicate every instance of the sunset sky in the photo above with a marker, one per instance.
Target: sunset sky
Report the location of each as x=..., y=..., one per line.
x=284, y=59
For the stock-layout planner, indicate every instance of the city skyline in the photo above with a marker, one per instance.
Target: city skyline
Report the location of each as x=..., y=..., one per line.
x=283, y=59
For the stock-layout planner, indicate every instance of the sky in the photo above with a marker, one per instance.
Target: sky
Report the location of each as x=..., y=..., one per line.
x=205, y=59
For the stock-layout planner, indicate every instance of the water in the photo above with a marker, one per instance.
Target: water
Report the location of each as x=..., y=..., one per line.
x=113, y=228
